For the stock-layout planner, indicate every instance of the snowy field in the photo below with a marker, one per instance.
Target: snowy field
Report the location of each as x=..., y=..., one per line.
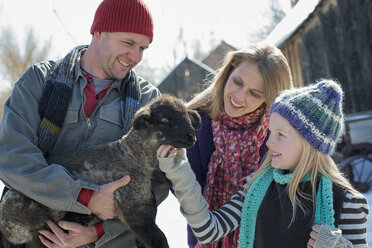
x=173, y=224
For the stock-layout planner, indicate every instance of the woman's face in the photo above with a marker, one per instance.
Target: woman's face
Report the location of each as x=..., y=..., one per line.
x=244, y=90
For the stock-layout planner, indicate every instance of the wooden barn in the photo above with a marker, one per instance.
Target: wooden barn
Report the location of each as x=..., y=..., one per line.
x=215, y=58
x=186, y=79
x=330, y=39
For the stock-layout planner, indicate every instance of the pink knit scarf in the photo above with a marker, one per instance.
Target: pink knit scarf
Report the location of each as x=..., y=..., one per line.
x=238, y=141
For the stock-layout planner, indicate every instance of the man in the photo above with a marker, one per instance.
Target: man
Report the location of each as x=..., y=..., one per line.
x=88, y=97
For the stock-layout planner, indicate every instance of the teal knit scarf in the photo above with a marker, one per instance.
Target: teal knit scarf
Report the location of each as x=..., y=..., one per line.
x=324, y=211
x=58, y=92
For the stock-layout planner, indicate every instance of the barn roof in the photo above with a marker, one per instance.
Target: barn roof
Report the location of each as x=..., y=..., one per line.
x=187, y=60
x=216, y=57
x=292, y=22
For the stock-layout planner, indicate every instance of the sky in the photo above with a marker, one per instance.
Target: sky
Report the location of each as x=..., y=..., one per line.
x=67, y=23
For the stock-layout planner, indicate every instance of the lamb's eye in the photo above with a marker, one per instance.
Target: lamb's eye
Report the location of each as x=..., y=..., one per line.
x=164, y=120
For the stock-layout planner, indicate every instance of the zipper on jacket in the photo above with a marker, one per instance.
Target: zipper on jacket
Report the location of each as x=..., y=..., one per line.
x=87, y=119
x=88, y=123
x=103, y=100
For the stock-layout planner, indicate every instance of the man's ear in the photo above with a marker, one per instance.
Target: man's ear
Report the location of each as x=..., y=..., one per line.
x=195, y=119
x=142, y=119
x=97, y=34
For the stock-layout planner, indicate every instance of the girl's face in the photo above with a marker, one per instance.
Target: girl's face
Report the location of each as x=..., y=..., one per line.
x=285, y=143
x=244, y=90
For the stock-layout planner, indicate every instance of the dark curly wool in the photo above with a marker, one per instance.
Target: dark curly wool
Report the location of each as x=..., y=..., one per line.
x=165, y=120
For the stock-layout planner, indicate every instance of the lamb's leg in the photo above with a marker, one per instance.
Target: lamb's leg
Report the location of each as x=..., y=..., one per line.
x=82, y=219
x=140, y=218
x=4, y=243
x=21, y=218
x=35, y=243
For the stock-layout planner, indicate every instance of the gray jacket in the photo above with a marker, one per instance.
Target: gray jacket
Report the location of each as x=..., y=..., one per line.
x=22, y=165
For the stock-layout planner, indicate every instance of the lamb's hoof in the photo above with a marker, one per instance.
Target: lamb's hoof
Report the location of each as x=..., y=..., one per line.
x=160, y=242
x=139, y=244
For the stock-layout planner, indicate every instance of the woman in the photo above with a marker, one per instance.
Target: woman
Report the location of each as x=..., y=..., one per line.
x=234, y=109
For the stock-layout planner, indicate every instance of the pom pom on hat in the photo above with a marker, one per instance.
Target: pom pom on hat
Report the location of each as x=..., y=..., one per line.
x=315, y=112
x=132, y=16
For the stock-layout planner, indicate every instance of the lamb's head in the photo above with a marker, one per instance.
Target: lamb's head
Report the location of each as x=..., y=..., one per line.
x=169, y=120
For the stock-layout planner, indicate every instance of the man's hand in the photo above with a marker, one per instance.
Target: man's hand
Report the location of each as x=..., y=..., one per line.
x=76, y=235
x=102, y=201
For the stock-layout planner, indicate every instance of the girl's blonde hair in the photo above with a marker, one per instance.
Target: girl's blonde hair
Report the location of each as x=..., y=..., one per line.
x=311, y=160
x=272, y=65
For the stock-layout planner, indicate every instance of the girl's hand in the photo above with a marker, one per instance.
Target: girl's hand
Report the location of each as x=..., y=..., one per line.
x=313, y=236
x=67, y=235
x=166, y=151
x=326, y=236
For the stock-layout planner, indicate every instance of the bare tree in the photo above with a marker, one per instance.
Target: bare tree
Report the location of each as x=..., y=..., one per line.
x=199, y=52
x=14, y=60
x=293, y=2
x=180, y=47
x=1, y=10
x=275, y=13
x=146, y=71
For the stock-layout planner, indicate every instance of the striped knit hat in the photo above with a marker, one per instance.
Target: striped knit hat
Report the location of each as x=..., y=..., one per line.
x=132, y=16
x=315, y=112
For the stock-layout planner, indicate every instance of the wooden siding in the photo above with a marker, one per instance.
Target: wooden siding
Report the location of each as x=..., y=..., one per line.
x=290, y=51
x=336, y=42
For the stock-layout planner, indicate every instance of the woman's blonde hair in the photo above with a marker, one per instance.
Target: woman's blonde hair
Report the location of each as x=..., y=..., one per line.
x=311, y=160
x=272, y=65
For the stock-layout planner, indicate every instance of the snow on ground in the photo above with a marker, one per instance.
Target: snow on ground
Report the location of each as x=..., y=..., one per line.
x=170, y=220
x=172, y=223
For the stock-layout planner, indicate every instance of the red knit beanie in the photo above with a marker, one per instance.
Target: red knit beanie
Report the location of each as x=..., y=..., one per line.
x=130, y=16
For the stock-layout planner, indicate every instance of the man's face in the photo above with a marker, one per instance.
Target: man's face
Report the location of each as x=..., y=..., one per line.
x=119, y=52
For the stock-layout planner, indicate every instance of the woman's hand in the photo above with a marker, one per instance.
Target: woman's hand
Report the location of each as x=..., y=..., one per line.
x=67, y=235
x=166, y=151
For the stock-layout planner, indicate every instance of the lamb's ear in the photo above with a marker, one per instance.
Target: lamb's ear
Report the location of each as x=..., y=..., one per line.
x=195, y=119
x=142, y=119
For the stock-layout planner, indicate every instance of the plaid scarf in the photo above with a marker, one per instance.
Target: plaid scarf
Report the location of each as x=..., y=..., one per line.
x=57, y=95
x=238, y=141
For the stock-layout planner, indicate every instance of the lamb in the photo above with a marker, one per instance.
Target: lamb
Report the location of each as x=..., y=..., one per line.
x=165, y=120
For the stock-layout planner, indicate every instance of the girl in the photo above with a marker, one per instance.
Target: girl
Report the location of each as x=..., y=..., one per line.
x=298, y=197
x=234, y=108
